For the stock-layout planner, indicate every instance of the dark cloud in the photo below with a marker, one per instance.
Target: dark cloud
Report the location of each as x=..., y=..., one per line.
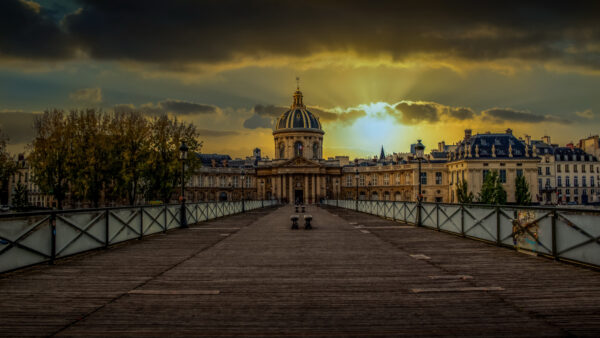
x=269, y=110
x=217, y=133
x=168, y=106
x=18, y=126
x=178, y=32
x=27, y=33
x=510, y=115
x=265, y=116
x=258, y=121
x=460, y=113
x=414, y=112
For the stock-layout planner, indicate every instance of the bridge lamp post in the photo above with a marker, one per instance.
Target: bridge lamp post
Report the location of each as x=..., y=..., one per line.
x=419, y=150
x=183, y=154
x=243, y=176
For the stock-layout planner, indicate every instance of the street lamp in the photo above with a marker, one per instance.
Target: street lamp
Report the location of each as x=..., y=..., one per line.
x=357, y=177
x=243, y=176
x=263, y=193
x=419, y=150
x=183, y=153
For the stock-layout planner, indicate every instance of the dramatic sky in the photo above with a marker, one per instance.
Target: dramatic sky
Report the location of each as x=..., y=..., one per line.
x=376, y=73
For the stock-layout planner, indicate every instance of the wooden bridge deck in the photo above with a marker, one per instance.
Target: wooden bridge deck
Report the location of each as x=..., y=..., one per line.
x=354, y=274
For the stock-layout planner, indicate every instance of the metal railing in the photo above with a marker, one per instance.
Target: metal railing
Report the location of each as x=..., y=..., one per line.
x=560, y=233
x=37, y=237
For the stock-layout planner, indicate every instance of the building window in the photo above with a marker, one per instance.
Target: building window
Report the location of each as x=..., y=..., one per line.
x=221, y=181
x=568, y=181
x=592, y=181
x=211, y=181
x=485, y=174
x=591, y=168
x=548, y=182
x=361, y=180
x=374, y=180
x=281, y=150
x=423, y=178
x=248, y=181
x=566, y=168
x=502, y=175
x=452, y=179
x=298, y=148
x=519, y=172
x=583, y=182
x=349, y=180
x=583, y=168
x=558, y=168
x=574, y=168
x=547, y=170
x=315, y=150
x=559, y=181
x=398, y=179
x=540, y=171
x=438, y=178
x=575, y=181
x=386, y=179
x=235, y=181
x=539, y=184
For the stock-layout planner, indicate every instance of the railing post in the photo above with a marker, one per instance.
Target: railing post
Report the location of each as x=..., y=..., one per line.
x=106, y=235
x=141, y=222
x=498, y=240
x=419, y=213
x=52, y=237
x=437, y=216
x=554, y=251
x=165, y=226
x=462, y=220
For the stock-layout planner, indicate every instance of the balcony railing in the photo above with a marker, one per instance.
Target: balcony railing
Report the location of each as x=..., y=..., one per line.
x=38, y=237
x=560, y=233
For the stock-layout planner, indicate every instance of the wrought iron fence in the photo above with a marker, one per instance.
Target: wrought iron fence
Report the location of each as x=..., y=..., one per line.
x=38, y=237
x=561, y=233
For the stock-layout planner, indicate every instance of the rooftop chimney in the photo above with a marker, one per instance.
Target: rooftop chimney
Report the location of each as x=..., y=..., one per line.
x=546, y=139
x=468, y=133
x=527, y=139
x=509, y=131
x=441, y=146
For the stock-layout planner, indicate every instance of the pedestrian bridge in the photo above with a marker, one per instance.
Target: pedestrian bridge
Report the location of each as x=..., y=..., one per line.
x=250, y=274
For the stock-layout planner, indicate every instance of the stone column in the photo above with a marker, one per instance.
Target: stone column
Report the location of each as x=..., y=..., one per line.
x=305, y=188
x=291, y=187
x=313, y=188
x=283, y=191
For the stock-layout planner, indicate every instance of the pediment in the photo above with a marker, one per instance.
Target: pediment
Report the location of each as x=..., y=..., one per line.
x=299, y=162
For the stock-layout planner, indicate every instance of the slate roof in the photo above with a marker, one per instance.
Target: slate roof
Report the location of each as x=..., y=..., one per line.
x=485, y=143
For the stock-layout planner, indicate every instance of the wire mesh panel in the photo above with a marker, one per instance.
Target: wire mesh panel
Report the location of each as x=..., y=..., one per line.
x=578, y=236
x=480, y=222
x=78, y=232
x=411, y=212
x=173, y=216
x=429, y=215
x=191, y=213
x=24, y=241
x=153, y=219
x=527, y=229
x=123, y=224
x=450, y=217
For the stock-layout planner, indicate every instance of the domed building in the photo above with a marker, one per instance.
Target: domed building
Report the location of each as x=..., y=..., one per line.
x=298, y=173
x=298, y=132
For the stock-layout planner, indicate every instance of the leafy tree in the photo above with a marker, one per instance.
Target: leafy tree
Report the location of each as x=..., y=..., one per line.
x=522, y=195
x=20, y=198
x=163, y=173
x=132, y=139
x=7, y=165
x=492, y=191
x=462, y=192
x=51, y=155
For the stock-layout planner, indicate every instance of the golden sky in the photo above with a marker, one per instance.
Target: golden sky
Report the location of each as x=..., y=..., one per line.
x=376, y=73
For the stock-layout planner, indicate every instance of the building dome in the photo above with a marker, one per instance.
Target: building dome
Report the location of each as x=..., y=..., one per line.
x=298, y=117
